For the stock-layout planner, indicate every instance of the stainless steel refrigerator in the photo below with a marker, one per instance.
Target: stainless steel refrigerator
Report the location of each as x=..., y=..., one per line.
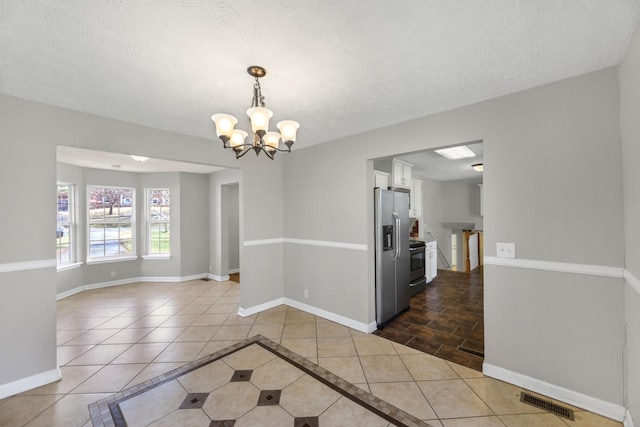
x=393, y=267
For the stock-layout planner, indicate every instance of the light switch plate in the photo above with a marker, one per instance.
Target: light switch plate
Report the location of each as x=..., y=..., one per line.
x=506, y=250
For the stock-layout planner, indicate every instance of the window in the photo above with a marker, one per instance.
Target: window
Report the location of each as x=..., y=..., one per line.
x=111, y=222
x=65, y=230
x=158, y=224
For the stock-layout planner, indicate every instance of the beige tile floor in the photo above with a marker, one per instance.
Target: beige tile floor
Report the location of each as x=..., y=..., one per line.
x=113, y=338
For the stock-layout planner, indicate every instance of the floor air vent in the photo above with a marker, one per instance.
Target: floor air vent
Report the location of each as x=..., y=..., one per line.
x=547, y=405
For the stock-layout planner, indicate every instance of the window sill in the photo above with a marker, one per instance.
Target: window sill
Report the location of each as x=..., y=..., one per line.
x=106, y=260
x=156, y=257
x=70, y=266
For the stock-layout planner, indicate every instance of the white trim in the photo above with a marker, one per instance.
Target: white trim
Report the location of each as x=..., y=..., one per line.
x=193, y=277
x=29, y=383
x=218, y=278
x=91, y=261
x=70, y=292
x=601, y=407
x=632, y=280
x=112, y=283
x=244, y=312
x=234, y=270
x=354, y=324
x=628, y=421
x=263, y=242
x=162, y=279
x=308, y=242
x=27, y=265
x=346, y=321
x=592, y=270
x=70, y=266
x=325, y=243
x=155, y=257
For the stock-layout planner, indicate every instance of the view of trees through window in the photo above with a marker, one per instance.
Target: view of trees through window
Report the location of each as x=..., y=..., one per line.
x=158, y=226
x=64, y=225
x=111, y=221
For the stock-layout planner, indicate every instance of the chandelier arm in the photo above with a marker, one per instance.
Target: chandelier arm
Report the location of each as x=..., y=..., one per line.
x=268, y=154
x=240, y=153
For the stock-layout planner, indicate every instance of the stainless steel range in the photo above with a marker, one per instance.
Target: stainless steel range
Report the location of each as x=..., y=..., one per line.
x=417, y=278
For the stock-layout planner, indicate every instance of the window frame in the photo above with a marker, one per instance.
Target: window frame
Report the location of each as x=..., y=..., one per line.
x=149, y=222
x=92, y=259
x=70, y=224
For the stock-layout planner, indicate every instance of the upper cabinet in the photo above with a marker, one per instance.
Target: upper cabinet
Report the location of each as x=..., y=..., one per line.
x=401, y=172
x=380, y=179
x=416, y=199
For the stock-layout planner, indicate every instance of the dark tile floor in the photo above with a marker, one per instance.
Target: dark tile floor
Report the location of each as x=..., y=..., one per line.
x=446, y=320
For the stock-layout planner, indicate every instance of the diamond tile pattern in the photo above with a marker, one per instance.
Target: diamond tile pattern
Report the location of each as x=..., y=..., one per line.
x=242, y=375
x=194, y=401
x=269, y=397
x=146, y=333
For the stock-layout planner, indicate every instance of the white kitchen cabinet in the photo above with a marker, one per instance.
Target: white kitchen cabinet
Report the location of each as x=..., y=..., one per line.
x=416, y=199
x=380, y=179
x=401, y=172
x=431, y=260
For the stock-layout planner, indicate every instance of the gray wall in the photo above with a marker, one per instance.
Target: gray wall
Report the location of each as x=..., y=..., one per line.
x=536, y=194
x=33, y=318
x=194, y=224
x=630, y=133
x=449, y=201
x=233, y=225
x=461, y=201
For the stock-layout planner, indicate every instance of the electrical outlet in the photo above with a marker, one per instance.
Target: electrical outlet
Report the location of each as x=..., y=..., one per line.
x=506, y=250
x=113, y=274
x=306, y=293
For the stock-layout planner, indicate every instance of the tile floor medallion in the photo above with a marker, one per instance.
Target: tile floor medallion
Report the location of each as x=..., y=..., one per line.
x=253, y=382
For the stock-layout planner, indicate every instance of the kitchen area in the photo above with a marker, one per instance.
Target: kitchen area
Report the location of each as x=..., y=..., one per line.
x=428, y=234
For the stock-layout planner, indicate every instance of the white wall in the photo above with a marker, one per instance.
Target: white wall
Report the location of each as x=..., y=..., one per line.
x=537, y=195
x=630, y=133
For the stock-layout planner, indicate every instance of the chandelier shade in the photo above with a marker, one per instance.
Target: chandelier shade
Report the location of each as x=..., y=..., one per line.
x=259, y=115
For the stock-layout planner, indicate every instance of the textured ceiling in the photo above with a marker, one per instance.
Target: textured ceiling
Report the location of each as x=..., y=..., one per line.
x=337, y=67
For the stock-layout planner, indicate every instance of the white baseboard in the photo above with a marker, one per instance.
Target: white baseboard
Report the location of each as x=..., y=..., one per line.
x=128, y=281
x=218, y=278
x=244, y=312
x=628, y=421
x=29, y=383
x=149, y=279
x=109, y=284
x=354, y=324
x=346, y=321
x=234, y=270
x=592, y=404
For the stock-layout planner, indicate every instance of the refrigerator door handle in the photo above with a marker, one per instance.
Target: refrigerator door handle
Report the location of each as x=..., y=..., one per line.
x=397, y=233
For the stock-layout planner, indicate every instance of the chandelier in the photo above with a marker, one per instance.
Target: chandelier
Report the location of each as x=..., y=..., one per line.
x=259, y=115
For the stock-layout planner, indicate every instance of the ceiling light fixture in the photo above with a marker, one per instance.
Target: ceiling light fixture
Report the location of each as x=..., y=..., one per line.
x=259, y=115
x=139, y=158
x=478, y=166
x=456, y=153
